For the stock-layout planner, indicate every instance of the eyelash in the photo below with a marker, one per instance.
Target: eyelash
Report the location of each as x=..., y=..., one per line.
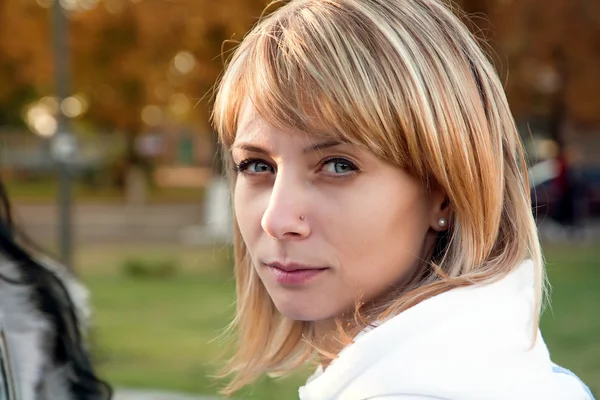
x=353, y=166
x=242, y=166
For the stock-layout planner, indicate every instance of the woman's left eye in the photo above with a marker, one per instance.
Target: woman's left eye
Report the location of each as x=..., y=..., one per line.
x=339, y=166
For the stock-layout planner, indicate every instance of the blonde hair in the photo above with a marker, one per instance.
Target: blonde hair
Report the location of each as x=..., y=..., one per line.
x=407, y=80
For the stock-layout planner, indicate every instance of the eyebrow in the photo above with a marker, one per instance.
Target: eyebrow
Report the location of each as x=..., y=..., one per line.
x=310, y=149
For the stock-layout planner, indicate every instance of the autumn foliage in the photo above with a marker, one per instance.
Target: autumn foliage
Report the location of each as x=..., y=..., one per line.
x=129, y=54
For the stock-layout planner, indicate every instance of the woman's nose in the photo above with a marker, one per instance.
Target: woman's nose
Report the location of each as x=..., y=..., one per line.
x=286, y=214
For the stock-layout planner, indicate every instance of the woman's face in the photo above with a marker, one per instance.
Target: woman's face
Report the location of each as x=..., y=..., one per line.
x=326, y=223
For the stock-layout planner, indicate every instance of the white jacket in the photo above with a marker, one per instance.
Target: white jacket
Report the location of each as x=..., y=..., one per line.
x=466, y=344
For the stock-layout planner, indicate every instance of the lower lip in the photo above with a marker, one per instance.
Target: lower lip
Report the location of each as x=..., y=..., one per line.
x=297, y=277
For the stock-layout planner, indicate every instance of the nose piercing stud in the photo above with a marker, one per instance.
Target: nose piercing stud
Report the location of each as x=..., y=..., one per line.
x=302, y=218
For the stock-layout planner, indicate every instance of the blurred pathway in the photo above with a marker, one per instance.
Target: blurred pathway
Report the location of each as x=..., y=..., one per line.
x=127, y=394
x=111, y=223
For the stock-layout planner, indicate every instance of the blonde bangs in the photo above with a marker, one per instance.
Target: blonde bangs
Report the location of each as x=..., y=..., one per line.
x=302, y=72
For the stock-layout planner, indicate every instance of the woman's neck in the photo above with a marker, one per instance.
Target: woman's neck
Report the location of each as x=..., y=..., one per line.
x=330, y=341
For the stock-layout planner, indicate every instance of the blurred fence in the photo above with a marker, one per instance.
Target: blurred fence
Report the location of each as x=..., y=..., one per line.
x=112, y=223
x=22, y=151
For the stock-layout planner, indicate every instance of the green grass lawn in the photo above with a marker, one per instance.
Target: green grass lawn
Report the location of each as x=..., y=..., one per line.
x=571, y=325
x=160, y=333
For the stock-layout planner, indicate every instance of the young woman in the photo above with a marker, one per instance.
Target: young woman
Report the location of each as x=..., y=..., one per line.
x=382, y=211
x=42, y=325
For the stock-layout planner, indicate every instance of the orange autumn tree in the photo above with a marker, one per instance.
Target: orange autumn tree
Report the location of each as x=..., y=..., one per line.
x=122, y=54
x=550, y=52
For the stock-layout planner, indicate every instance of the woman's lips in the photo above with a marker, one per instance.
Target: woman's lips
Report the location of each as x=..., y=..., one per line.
x=289, y=276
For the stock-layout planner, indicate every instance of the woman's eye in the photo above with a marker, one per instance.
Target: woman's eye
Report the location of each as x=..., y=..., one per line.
x=253, y=167
x=339, y=166
x=258, y=167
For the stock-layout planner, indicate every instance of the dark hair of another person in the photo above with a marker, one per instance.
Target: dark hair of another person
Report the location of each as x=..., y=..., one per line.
x=50, y=297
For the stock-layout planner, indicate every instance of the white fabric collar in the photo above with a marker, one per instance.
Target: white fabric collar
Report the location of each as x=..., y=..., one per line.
x=467, y=343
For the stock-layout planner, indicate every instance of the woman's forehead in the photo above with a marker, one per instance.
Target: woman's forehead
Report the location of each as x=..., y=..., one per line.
x=252, y=122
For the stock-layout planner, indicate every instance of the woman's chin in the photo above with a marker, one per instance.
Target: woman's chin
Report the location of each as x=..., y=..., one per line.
x=299, y=313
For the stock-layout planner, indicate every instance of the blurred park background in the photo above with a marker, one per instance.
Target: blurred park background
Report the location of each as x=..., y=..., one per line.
x=108, y=155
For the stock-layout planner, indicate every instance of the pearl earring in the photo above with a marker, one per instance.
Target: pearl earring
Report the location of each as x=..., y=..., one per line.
x=442, y=222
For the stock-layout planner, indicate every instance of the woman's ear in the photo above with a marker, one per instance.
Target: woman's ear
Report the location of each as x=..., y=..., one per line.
x=441, y=213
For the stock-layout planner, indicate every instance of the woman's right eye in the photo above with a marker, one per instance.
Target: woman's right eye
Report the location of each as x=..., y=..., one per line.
x=253, y=166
